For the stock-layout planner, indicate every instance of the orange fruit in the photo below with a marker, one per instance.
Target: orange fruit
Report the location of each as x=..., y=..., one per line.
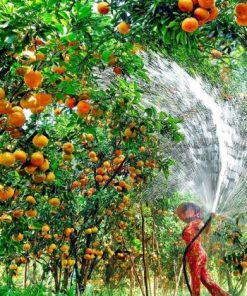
x=55, y=201
x=30, y=169
x=31, y=213
x=40, y=56
x=20, y=155
x=37, y=159
x=26, y=247
x=190, y=24
x=103, y=7
x=43, y=99
x=83, y=107
x=45, y=228
x=68, y=148
x=17, y=213
x=64, y=248
x=216, y=53
x=106, y=164
x=206, y=3
x=30, y=199
x=5, y=107
x=241, y=22
x=40, y=141
x=7, y=159
x=213, y=13
x=70, y=102
x=185, y=5
x=33, y=79
x=57, y=111
x=16, y=119
x=201, y=14
x=2, y=93
x=123, y=28
x=50, y=177
x=92, y=154
x=45, y=166
x=57, y=69
x=117, y=70
x=16, y=134
x=98, y=178
x=19, y=237
x=241, y=11
x=6, y=192
x=100, y=171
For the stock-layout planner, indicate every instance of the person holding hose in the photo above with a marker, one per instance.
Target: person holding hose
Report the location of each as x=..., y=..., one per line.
x=196, y=256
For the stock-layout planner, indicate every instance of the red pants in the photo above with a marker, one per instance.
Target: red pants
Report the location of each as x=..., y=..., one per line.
x=197, y=260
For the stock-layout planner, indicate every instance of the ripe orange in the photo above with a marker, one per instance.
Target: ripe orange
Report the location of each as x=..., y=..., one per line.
x=20, y=155
x=40, y=141
x=185, y=5
x=45, y=228
x=2, y=93
x=7, y=159
x=17, y=213
x=216, y=53
x=55, y=201
x=16, y=119
x=201, y=14
x=37, y=159
x=70, y=102
x=241, y=22
x=83, y=107
x=50, y=177
x=206, y=3
x=33, y=79
x=16, y=134
x=68, y=148
x=19, y=237
x=30, y=169
x=43, y=99
x=123, y=28
x=57, y=69
x=64, y=248
x=106, y=164
x=38, y=177
x=117, y=70
x=190, y=24
x=30, y=199
x=98, y=178
x=40, y=56
x=26, y=247
x=103, y=7
x=45, y=166
x=241, y=11
x=213, y=13
x=31, y=213
x=92, y=154
x=6, y=192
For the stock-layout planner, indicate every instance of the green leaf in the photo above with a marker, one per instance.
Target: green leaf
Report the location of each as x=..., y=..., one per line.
x=10, y=38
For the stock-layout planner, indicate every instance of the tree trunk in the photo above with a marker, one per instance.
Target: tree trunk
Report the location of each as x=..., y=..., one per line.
x=144, y=253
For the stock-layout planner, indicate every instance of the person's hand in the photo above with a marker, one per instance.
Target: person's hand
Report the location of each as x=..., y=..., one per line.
x=213, y=215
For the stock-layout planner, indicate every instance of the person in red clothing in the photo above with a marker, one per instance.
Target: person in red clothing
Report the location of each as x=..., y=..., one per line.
x=196, y=256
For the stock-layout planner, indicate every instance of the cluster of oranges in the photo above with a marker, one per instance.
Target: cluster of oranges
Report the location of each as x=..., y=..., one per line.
x=241, y=14
x=203, y=11
x=104, y=8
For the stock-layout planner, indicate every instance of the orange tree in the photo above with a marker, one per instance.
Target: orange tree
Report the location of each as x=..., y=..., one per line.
x=74, y=148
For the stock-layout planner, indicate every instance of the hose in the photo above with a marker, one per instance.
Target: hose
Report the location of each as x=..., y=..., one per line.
x=186, y=251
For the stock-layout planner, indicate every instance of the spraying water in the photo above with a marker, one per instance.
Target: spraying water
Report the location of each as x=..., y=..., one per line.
x=211, y=162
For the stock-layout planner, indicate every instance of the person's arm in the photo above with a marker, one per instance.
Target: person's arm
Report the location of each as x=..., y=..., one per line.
x=207, y=229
